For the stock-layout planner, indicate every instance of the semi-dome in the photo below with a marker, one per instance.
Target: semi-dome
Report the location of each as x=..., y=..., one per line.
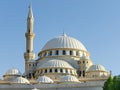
x=64, y=41
x=69, y=78
x=96, y=67
x=44, y=79
x=13, y=71
x=56, y=63
x=21, y=80
x=84, y=57
x=55, y=67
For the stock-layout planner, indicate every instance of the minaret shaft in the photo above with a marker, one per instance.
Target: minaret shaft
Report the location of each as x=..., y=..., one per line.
x=29, y=41
x=29, y=46
x=29, y=54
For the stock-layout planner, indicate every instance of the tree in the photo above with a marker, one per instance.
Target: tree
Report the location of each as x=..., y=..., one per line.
x=108, y=85
x=112, y=83
x=116, y=83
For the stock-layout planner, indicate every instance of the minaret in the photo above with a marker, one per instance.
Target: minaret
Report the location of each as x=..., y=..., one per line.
x=84, y=64
x=29, y=55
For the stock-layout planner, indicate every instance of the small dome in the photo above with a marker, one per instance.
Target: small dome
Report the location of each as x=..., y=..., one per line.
x=44, y=79
x=69, y=78
x=21, y=80
x=56, y=63
x=13, y=71
x=83, y=57
x=35, y=89
x=96, y=67
x=64, y=41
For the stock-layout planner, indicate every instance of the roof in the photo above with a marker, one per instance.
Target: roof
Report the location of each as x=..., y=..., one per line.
x=44, y=79
x=64, y=41
x=96, y=67
x=13, y=71
x=21, y=80
x=69, y=78
x=56, y=63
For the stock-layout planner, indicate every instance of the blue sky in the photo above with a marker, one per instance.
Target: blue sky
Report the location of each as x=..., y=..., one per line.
x=96, y=23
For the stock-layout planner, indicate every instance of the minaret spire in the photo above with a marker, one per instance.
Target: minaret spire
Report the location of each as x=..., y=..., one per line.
x=30, y=20
x=29, y=55
x=30, y=13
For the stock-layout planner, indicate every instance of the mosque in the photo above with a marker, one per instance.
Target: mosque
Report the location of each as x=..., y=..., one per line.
x=63, y=64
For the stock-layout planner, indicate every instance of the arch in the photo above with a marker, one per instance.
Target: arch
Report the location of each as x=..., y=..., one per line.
x=71, y=52
x=57, y=52
x=64, y=52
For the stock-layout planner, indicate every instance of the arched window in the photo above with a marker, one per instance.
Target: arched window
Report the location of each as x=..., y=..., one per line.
x=28, y=51
x=61, y=70
x=77, y=53
x=64, y=52
x=29, y=75
x=83, y=73
x=29, y=65
x=55, y=70
x=50, y=53
x=80, y=73
x=50, y=70
x=71, y=53
x=83, y=61
x=57, y=52
x=45, y=70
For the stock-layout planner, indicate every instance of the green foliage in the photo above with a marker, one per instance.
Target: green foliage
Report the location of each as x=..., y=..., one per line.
x=116, y=83
x=108, y=84
x=112, y=83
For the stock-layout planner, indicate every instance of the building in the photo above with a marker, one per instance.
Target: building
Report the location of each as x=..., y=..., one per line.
x=63, y=63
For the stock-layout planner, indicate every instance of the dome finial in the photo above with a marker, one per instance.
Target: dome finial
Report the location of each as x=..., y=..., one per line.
x=64, y=34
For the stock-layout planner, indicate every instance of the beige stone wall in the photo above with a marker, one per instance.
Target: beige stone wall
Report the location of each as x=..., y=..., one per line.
x=73, y=86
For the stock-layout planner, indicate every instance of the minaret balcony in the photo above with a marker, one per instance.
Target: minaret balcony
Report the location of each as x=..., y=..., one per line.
x=29, y=56
x=29, y=35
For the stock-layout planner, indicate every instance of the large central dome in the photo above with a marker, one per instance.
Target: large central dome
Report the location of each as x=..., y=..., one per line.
x=64, y=41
